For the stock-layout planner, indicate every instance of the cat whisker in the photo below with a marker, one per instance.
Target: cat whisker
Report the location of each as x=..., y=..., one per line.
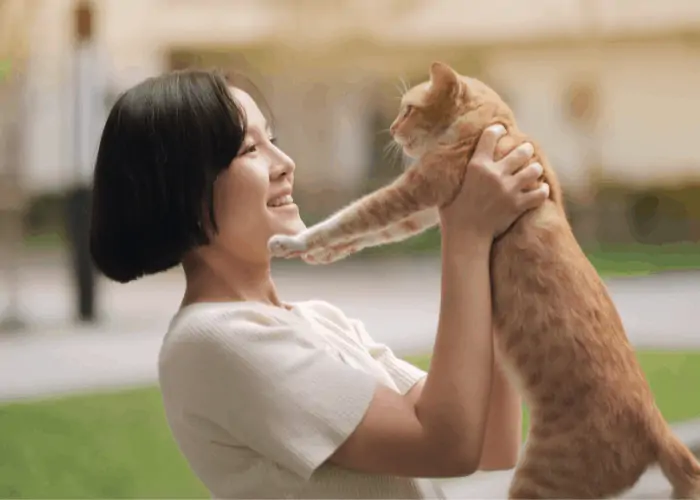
x=393, y=152
x=404, y=84
x=387, y=150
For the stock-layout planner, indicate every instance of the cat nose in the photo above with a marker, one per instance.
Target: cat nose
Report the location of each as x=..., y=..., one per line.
x=392, y=129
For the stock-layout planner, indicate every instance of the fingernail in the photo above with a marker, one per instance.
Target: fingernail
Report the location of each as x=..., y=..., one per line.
x=527, y=148
x=545, y=188
x=537, y=167
x=497, y=129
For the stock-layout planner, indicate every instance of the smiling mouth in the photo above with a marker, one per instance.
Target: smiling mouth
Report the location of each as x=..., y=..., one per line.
x=281, y=201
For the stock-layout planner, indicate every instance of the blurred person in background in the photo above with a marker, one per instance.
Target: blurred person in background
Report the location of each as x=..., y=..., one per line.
x=275, y=399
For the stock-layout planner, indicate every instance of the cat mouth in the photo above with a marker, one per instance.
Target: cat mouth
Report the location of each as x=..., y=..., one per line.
x=405, y=143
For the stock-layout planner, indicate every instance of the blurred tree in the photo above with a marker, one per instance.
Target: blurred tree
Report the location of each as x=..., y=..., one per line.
x=16, y=18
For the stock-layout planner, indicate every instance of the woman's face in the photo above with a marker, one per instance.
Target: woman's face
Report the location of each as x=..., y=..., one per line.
x=252, y=198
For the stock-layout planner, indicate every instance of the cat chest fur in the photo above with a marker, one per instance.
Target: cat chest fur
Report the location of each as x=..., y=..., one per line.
x=551, y=311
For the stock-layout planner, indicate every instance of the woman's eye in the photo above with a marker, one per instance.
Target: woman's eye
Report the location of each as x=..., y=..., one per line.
x=250, y=149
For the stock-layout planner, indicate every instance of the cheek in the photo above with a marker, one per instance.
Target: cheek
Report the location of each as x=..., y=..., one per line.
x=240, y=200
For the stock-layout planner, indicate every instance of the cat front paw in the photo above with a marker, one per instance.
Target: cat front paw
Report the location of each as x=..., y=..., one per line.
x=286, y=246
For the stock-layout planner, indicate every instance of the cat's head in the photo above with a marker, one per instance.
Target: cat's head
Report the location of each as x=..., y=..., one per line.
x=447, y=108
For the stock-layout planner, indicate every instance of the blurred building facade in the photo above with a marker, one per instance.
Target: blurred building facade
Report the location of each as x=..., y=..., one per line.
x=610, y=88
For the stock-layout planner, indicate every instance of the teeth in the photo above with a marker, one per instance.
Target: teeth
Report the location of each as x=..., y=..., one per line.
x=282, y=200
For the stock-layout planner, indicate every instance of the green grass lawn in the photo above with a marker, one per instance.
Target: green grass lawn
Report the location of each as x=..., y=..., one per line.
x=117, y=445
x=609, y=260
x=644, y=259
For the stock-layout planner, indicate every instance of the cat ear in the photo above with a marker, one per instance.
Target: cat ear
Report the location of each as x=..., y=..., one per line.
x=443, y=78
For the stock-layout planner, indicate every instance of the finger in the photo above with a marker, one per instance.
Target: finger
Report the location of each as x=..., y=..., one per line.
x=527, y=175
x=486, y=146
x=514, y=160
x=534, y=198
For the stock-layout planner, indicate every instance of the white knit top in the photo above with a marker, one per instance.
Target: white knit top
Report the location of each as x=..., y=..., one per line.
x=258, y=397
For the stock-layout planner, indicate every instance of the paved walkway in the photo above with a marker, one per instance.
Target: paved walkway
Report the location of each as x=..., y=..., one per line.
x=398, y=301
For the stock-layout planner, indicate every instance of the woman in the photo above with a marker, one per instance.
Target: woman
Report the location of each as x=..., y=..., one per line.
x=273, y=399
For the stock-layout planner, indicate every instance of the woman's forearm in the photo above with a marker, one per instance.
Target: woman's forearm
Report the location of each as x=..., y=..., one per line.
x=453, y=405
x=504, y=424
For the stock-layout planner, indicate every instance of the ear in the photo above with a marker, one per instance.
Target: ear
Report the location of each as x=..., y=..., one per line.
x=443, y=78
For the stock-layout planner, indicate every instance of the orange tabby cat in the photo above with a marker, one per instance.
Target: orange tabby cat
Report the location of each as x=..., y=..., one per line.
x=594, y=424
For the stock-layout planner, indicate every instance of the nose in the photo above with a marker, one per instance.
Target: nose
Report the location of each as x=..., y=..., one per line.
x=392, y=129
x=284, y=167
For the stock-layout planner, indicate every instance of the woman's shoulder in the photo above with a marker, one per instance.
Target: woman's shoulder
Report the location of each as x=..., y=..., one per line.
x=233, y=320
x=320, y=309
x=238, y=324
x=212, y=320
x=202, y=333
x=243, y=344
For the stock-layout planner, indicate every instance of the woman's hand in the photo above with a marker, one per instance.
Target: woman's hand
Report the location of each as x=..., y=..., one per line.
x=493, y=195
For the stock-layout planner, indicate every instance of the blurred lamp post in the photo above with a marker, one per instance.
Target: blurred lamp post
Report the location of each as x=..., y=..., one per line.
x=86, y=103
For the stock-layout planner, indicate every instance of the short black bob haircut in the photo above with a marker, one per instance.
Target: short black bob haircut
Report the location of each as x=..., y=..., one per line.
x=164, y=143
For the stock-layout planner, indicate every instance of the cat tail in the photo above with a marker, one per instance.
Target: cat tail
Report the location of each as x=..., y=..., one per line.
x=679, y=465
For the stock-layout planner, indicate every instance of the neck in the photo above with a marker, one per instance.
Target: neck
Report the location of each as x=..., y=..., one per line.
x=215, y=278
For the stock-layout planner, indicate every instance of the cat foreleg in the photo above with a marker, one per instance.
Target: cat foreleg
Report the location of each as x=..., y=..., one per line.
x=369, y=214
x=398, y=231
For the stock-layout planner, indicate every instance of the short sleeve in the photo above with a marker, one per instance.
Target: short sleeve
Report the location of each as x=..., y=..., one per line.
x=271, y=387
x=405, y=374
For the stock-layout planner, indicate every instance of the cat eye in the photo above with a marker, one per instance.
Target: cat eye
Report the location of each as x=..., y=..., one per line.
x=408, y=110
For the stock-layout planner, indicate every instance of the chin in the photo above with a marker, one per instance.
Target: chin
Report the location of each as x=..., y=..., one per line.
x=410, y=153
x=414, y=151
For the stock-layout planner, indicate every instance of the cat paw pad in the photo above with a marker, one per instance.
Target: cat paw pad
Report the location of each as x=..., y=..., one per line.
x=285, y=246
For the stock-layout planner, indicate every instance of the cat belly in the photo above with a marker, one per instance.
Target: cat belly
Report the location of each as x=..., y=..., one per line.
x=562, y=344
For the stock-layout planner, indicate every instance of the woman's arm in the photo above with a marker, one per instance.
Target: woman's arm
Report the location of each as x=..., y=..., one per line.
x=503, y=436
x=504, y=424
x=460, y=375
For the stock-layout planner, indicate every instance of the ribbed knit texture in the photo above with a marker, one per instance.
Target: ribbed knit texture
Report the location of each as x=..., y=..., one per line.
x=258, y=397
